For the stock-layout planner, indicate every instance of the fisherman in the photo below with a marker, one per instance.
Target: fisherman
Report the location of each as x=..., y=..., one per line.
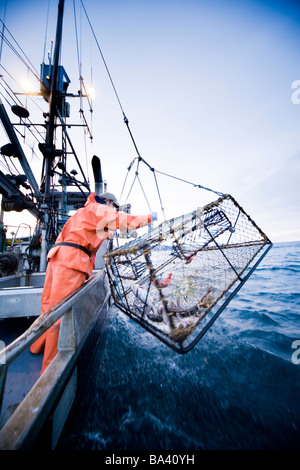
x=72, y=259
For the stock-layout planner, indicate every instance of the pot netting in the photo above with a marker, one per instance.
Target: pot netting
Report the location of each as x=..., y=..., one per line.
x=177, y=279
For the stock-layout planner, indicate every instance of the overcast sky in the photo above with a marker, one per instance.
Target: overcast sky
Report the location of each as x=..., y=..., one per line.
x=207, y=87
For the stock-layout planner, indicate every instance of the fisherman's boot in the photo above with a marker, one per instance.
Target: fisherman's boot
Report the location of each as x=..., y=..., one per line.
x=51, y=345
x=38, y=346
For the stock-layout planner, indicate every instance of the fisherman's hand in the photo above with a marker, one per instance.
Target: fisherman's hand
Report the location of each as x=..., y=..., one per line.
x=153, y=216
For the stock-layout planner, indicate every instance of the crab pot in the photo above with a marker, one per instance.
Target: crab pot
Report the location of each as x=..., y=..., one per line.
x=176, y=280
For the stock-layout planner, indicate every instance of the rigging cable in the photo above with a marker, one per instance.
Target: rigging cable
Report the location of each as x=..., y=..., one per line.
x=77, y=48
x=130, y=133
x=190, y=182
x=110, y=78
x=103, y=59
x=128, y=170
x=46, y=31
x=31, y=67
x=140, y=159
x=3, y=24
x=16, y=100
x=136, y=177
x=81, y=84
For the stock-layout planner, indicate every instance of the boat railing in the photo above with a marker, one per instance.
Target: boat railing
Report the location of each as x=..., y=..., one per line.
x=27, y=419
x=25, y=235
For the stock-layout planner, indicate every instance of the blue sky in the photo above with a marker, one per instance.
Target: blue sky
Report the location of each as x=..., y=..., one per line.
x=207, y=88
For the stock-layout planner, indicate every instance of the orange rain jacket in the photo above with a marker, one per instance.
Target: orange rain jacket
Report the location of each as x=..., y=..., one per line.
x=68, y=267
x=89, y=227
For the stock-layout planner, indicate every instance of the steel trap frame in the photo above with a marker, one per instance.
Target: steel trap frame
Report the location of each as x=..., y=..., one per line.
x=176, y=280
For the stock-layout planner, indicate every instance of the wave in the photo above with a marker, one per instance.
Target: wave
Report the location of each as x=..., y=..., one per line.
x=237, y=389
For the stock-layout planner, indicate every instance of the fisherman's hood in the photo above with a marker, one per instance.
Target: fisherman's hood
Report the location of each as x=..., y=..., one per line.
x=91, y=199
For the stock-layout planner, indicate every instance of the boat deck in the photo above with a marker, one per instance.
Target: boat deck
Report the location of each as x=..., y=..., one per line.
x=23, y=372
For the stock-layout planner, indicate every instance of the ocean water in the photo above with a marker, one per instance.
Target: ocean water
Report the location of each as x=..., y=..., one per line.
x=239, y=388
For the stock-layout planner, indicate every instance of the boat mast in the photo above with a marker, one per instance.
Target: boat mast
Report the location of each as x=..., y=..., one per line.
x=49, y=149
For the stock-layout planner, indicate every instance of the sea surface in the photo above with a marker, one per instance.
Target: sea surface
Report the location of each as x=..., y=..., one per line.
x=239, y=388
